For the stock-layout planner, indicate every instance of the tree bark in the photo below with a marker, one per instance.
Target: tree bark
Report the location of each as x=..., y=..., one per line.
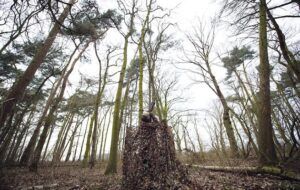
x=63, y=127
x=265, y=140
x=63, y=144
x=102, y=134
x=47, y=145
x=105, y=138
x=88, y=143
x=226, y=117
x=111, y=167
x=84, y=135
x=71, y=142
x=141, y=61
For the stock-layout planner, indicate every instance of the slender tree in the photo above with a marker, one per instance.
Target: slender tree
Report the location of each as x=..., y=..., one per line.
x=141, y=58
x=112, y=162
x=101, y=88
x=265, y=138
x=202, y=44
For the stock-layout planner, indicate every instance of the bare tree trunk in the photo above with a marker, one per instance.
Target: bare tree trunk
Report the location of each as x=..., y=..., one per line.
x=71, y=143
x=6, y=145
x=141, y=61
x=177, y=139
x=82, y=144
x=203, y=44
x=102, y=134
x=244, y=151
x=38, y=150
x=105, y=139
x=226, y=117
x=77, y=143
x=63, y=127
x=12, y=155
x=11, y=148
x=265, y=140
x=112, y=162
x=88, y=143
x=47, y=145
x=247, y=132
x=102, y=85
x=200, y=144
x=27, y=125
x=62, y=145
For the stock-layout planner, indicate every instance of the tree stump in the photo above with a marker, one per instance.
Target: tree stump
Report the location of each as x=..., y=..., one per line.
x=149, y=160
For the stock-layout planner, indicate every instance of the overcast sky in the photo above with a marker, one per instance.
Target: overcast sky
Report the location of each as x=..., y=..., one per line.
x=185, y=15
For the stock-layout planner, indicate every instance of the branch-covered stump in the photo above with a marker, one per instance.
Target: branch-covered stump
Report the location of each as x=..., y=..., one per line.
x=149, y=160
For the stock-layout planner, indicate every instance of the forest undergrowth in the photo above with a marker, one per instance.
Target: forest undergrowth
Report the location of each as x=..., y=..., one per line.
x=73, y=176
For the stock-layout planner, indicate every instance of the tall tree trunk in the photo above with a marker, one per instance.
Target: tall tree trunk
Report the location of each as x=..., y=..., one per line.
x=105, y=138
x=77, y=143
x=82, y=144
x=265, y=140
x=141, y=61
x=226, y=117
x=199, y=141
x=71, y=142
x=102, y=85
x=177, y=139
x=47, y=145
x=12, y=155
x=27, y=125
x=16, y=91
x=39, y=148
x=50, y=119
x=88, y=143
x=123, y=106
x=155, y=95
x=102, y=134
x=62, y=144
x=247, y=131
x=112, y=162
x=63, y=127
x=6, y=145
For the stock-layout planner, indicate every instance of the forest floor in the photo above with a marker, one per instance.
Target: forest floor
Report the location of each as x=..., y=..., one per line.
x=77, y=178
